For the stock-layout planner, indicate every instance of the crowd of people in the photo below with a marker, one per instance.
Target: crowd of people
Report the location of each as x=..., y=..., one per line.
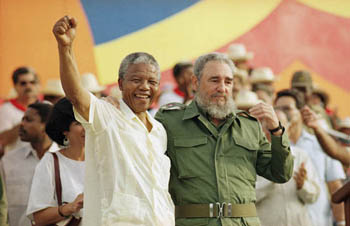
x=220, y=147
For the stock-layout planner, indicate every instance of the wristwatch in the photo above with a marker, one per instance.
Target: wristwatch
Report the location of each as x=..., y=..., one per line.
x=272, y=131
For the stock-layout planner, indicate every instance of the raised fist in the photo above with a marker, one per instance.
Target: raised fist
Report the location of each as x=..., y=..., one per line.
x=64, y=30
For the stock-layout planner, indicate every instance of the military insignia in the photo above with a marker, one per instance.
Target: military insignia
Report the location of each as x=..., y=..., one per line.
x=173, y=106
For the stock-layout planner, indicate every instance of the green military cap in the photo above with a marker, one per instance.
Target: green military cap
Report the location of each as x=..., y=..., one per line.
x=301, y=79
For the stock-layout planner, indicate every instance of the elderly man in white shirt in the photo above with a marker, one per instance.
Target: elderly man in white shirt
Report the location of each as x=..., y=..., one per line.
x=127, y=173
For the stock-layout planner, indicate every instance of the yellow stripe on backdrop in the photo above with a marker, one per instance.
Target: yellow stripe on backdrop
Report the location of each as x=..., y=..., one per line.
x=336, y=7
x=199, y=29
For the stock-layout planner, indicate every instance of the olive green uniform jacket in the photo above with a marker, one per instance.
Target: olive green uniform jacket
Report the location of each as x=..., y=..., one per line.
x=219, y=164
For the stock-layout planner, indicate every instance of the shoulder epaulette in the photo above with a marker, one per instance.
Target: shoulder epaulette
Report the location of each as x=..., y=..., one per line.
x=245, y=115
x=173, y=106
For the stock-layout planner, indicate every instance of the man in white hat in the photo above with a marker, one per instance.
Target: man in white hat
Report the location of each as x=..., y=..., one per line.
x=240, y=80
x=265, y=76
x=239, y=55
x=89, y=82
x=53, y=91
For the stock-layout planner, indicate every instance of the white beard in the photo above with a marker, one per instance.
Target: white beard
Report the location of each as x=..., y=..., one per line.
x=218, y=111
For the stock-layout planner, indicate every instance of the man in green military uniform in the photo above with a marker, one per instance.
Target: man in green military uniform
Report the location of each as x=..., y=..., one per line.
x=216, y=152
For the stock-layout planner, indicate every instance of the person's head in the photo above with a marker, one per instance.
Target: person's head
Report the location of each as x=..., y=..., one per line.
x=264, y=76
x=62, y=127
x=26, y=82
x=89, y=82
x=53, y=91
x=302, y=81
x=239, y=80
x=319, y=97
x=139, y=77
x=213, y=83
x=264, y=92
x=290, y=101
x=239, y=55
x=183, y=72
x=32, y=127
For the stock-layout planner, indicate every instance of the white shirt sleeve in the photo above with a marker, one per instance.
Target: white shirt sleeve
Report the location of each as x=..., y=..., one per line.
x=5, y=120
x=334, y=170
x=42, y=193
x=99, y=115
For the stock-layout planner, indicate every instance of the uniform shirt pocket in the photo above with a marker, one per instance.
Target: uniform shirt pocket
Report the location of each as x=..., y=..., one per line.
x=192, y=155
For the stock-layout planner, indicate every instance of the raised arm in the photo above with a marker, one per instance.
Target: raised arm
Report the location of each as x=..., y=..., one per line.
x=64, y=31
x=328, y=144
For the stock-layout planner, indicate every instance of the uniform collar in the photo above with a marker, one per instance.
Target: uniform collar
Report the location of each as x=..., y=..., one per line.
x=191, y=111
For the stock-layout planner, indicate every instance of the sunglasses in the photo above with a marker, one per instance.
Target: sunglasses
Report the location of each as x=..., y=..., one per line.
x=23, y=83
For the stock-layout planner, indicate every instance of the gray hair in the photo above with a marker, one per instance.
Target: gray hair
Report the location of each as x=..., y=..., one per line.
x=202, y=60
x=137, y=58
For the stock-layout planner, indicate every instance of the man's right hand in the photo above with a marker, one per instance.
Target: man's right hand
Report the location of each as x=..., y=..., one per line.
x=64, y=30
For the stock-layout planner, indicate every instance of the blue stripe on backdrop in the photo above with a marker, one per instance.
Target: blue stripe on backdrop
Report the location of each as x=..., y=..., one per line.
x=111, y=19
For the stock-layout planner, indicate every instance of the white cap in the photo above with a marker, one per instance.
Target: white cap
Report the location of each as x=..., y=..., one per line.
x=53, y=87
x=89, y=82
x=263, y=74
x=237, y=51
x=246, y=99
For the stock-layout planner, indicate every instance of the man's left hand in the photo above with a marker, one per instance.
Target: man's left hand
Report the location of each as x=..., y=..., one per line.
x=265, y=112
x=309, y=117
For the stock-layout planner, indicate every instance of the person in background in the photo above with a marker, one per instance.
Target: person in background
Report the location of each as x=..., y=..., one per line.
x=26, y=85
x=240, y=57
x=65, y=130
x=330, y=171
x=53, y=91
x=264, y=76
x=302, y=81
x=18, y=165
x=89, y=82
x=182, y=93
x=239, y=81
x=288, y=201
x=264, y=93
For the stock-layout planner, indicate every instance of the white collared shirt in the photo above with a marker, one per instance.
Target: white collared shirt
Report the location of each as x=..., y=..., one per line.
x=284, y=200
x=127, y=172
x=11, y=116
x=328, y=170
x=18, y=167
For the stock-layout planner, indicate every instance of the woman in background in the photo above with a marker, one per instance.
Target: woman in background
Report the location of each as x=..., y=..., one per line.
x=43, y=206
